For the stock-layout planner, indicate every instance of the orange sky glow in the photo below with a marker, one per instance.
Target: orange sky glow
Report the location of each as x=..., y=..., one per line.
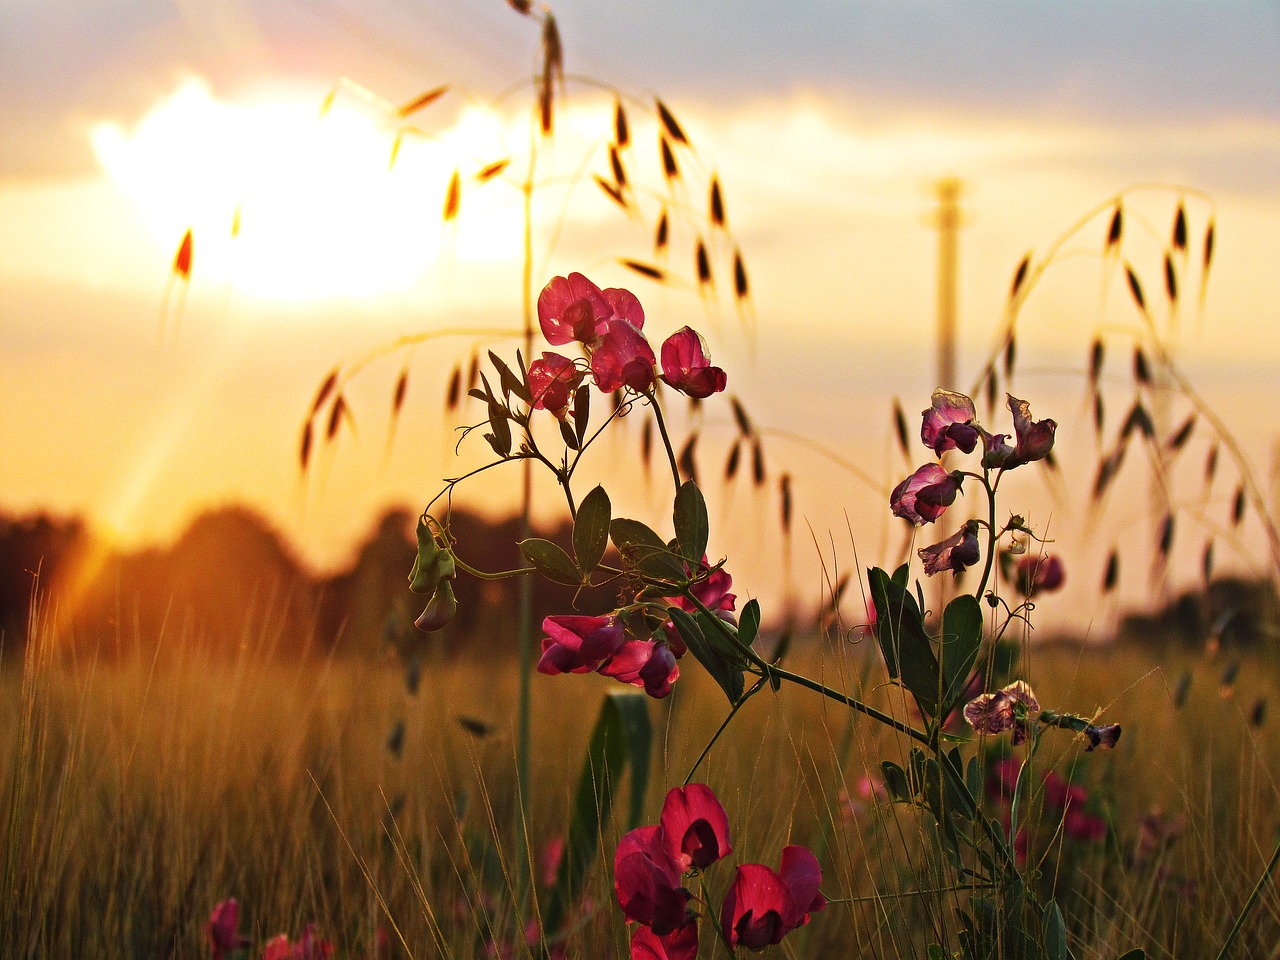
x=139, y=400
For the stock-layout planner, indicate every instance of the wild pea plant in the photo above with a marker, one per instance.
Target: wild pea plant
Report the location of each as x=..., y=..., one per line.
x=674, y=600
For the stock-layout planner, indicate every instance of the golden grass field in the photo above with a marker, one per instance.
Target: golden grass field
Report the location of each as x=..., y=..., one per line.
x=142, y=788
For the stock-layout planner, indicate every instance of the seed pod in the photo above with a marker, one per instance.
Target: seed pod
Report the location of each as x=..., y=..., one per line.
x=784, y=490
x=731, y=465
x=1112, y=575
x=669, y=123
x=1019, y=276
x=621, y=132
x=686, y=462
x=1135, y=287
x=900, y=426
x=740, y=288
x=1180, y=228
x=1117, y=225
x=717, y=203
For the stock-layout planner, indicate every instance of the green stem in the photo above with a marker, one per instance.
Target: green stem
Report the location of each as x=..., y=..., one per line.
x=666, y=439
x=721, y=729
x=991, y=534
x=1250, y=903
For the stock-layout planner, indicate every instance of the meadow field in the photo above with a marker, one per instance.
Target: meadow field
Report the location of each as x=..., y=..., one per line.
x=143, y=787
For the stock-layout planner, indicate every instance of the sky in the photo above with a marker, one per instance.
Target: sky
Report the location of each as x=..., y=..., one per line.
x=139, y=400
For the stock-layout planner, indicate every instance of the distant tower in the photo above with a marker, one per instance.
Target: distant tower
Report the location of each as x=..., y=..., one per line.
x=948, y=220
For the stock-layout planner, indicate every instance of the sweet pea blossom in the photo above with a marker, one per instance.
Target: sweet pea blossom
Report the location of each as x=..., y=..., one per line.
x=650, y=664
x=686, y=367
x=712, y=592
x=622, y=357
x=1008, y=708
x=763, y=906
x=1033, y=439
x=576, y=644
x=925, y=495
x=552, y=381
x=949, y=423
x=573, y=308
x=958, y=551
x=223, y=929
x=692, y=833
x=1107, y=736
x=310, y=947
x=1036, y=573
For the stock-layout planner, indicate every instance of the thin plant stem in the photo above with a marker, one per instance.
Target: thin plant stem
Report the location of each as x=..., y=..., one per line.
x=1250, y=904
x=721, y=729
x=666, y=438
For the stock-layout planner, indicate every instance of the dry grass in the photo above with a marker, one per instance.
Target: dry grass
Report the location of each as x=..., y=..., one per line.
x=140, y=793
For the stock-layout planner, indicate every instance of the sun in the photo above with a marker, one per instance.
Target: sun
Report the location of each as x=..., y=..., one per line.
x=287, y=201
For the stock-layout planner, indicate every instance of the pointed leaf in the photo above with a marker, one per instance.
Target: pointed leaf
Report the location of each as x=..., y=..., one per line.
x=591, y=530
x=723, y=669
x=550, y=560
x=691, y=523
x=645, y=550
x=622, y=738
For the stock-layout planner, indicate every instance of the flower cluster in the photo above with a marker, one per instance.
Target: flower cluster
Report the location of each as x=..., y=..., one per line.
x=1013, y=707
x=637, y=644
x=1066, y=800
x=609, y=325
x=951, y=423
x=760, y=908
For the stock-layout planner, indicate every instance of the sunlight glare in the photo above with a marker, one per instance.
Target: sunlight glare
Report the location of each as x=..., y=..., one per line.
x=285, y=203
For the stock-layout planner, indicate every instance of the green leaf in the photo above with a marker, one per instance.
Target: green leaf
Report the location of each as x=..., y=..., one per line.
x=622, y=737
x=645, y=550
x=1055, y=933
x=895, y=781
x=1137, y=953
x=725, y=670
x=551, y=561
x=591, y=529
x=509, y=381
x=749, y=623
x=961, y=638
x=936, y=952
x=907, y=649
x=692, y=526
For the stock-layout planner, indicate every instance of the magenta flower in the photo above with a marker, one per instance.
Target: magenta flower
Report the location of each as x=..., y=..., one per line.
x=1039, y=573
x=310, y=947
x=1107, y=736
x=223, y=929
x=650, y=664
x=647, y=883
x=622, y=358
x=576, y=644
x=695, y=827
x=949, y=423
x=958, y=551
x=1009, y=708
x=762, y=906
x=1078, y=824
x=680, y=944
x=713, y=593
x=573, y=308
x=685, y=365
x=925, y=495
x=1060, y=794
x=552, y=381
x=1034, y=437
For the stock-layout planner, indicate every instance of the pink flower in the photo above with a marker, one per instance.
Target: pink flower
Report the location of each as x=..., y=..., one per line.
x=948, y=423
x=1035, y=437
x=1083, y=826
x=1107, y=736
x=712, y=592
x=1060, y=794
x=310, y=947
x=680, y=944
x=575, y=644
x=647, y=883
x=643, y=663
x=1039, y=573
x=925, y=495
x=552, y=854
x=223, y=929
x=622, y=358
x=762, y=906
x=958, y=551
x=1008, y=708
x=686, y=367
x=574, y=308
x=695, y=827
x=552, y=381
